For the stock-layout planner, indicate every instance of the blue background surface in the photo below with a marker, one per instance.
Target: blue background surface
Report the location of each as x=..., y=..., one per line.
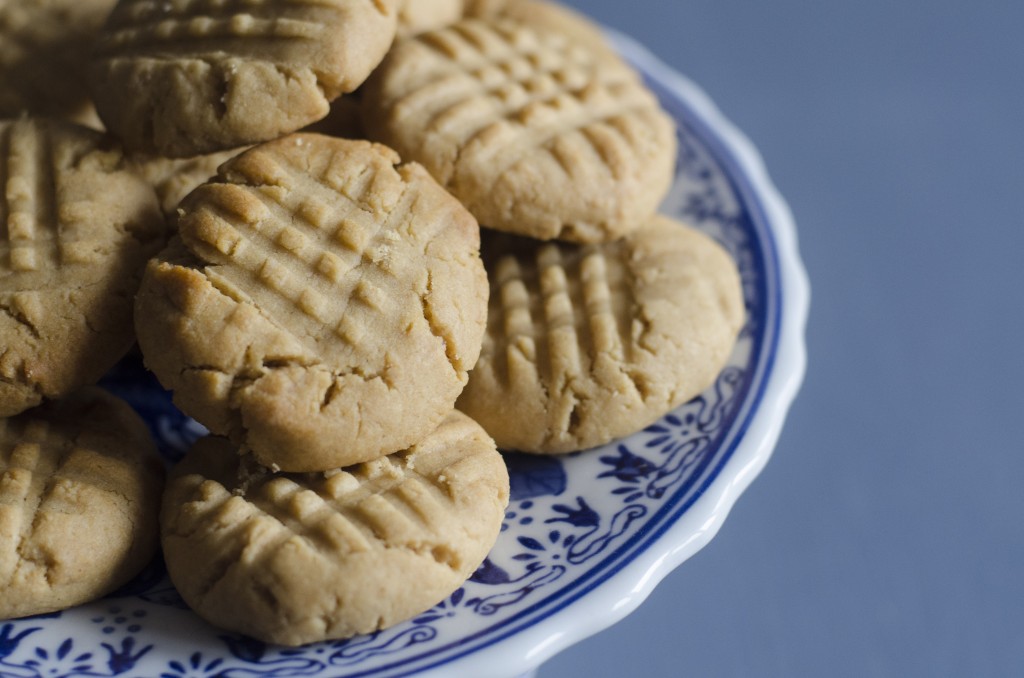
x=886, y=535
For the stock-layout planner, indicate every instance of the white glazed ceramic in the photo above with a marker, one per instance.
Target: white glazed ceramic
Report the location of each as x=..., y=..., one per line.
x=586, y=537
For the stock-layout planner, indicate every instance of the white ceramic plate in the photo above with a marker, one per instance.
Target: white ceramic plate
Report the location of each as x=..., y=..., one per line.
x=586, y=537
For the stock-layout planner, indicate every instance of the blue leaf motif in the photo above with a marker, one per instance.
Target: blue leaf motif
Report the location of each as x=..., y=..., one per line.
x=426, y=619
x=531, y=543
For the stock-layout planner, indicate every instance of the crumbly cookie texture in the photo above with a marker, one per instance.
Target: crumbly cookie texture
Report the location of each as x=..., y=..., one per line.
x=417, y=16
x=44, y=45
x=179, y=78
x=586, y=344
x=298, y=558
x=78, y=227
x=80, y=485
x=536, y=134
x=322, y=291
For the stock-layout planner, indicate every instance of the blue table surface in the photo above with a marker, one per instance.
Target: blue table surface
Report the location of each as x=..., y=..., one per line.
x=886, y=535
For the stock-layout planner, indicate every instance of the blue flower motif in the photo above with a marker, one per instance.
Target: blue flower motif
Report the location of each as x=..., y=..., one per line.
x=47, y=663
x=194, y=669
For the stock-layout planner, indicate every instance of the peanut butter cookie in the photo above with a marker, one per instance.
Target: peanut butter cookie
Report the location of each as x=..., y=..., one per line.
x=179, y=77
x=297, y=558
x=322, y=292
x=535, y=133
x=586, y=344
x=80, y=484
x=78, y=227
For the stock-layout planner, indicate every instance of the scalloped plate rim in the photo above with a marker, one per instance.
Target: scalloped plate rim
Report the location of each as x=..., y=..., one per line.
x=615, y=598
x=612, y=594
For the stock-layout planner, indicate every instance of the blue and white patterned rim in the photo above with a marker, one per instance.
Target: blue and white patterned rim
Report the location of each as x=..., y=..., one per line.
x=586, y=537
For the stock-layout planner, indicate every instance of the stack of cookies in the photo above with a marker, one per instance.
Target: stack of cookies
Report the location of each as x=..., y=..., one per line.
x=79, y=475
x=328, y=306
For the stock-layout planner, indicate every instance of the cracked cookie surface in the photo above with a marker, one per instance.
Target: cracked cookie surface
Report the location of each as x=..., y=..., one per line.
x=76, y=228
x=322, y=306
x=534, y=132
x=80, y=483
x=184, y=77
x=298, y=558
x=586, y=344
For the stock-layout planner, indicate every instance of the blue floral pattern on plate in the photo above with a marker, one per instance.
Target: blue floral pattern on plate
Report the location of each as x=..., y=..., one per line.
x=573, y=522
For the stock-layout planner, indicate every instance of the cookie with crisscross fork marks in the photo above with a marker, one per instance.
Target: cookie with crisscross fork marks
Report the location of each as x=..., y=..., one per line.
x=296, y=558
x=322, y=293
x=585, y=344
x=80, y=483
x=536, y=134
x=76, y=228
x=184, y=77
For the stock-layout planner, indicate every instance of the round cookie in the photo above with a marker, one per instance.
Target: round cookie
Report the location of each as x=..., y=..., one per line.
x=44, y=46
x=417, y=16
x=322, y=291
x=586, y=344
x=298, y=558
x=536, y=134
x=78, y=226
x=80, y=484
x=178, y=78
